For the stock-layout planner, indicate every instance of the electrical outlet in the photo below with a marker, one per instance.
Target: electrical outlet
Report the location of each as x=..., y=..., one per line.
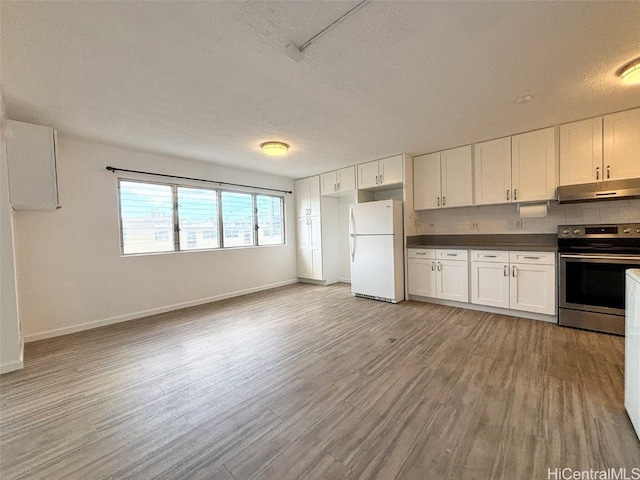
x=519, y=223
x=474, y=225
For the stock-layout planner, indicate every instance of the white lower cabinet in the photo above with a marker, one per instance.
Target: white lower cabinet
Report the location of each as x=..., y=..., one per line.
x=523, y=281
x=533, y=282
x=437, y=273
x=490, y=278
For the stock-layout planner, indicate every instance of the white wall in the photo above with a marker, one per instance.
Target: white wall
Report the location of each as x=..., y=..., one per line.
x=71, y=275
x=10, y=341
x=502, y=218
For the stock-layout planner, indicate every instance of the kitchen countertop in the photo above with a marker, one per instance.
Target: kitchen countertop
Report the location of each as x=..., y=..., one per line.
x=541, y=242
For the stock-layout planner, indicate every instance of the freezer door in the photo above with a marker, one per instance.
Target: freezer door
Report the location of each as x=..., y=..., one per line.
x=372, y=266
x=372, y=218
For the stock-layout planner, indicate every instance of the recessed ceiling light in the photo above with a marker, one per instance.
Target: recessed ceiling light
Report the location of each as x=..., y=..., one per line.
x=274, y=149
x=524, y=99
x=630, y=73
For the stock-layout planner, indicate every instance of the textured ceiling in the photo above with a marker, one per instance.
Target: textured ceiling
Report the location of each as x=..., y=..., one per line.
x=211, y=81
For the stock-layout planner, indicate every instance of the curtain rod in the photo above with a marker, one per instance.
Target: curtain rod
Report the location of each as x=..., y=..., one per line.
x=115, y=169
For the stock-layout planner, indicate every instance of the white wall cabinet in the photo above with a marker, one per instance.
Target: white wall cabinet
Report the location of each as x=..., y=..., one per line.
x=534, y=165
x=442, y=274
x=309, y=231
x=308, y=196
x=621, y=145
x=581, y=158
x=309, y=257
x=426, y=181
x=515, y=280
x=492, y=165
x=443, y=179
x=31, y=160
x=338, y=182
x=385, y=172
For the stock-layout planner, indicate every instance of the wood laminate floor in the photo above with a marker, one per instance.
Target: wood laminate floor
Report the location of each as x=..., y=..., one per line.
x=309, y=382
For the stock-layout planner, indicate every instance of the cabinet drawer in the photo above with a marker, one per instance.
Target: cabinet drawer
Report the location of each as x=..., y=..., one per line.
x=451, y=254
x=489, y=256
x=539, y=258
x=425, y=253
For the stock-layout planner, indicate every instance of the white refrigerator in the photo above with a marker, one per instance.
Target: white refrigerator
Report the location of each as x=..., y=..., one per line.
x=377, y=253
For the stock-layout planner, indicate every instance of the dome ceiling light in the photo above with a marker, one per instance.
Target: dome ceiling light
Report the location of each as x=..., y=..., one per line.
x=274, y=149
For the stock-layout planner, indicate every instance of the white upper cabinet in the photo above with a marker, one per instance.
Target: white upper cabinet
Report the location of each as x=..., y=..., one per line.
x=381, y=173
x=443, y=179
x=426, y=181
x=456, y=167
x=534, y=165
x=338, y=182
x=622, y=145
x=31, y=159
x=581, y=152
x=308, y=196
x=492, y=180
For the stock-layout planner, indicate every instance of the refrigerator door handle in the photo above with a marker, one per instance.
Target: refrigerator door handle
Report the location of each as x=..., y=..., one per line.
x=352, y=238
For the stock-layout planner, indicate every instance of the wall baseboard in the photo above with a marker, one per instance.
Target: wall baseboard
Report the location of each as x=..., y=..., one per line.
x=146, y=313
x=11, y=366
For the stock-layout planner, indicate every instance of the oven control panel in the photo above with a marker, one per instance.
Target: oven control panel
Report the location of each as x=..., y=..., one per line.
x=626, y=230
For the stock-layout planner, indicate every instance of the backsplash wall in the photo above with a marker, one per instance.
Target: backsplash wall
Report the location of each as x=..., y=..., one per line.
x=503, y=218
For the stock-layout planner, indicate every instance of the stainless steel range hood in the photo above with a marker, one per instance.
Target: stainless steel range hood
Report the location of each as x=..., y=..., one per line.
x=608, y=190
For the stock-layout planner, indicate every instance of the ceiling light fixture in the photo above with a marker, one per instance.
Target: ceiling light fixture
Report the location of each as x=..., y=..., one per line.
x=274, y=149
x=630, y=73
x=295, y=53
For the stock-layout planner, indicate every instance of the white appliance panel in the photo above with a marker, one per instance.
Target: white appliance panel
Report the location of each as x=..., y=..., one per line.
x=373, y=218
x=372, y=267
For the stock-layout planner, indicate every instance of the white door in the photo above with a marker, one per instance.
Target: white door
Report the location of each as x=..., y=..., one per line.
x=492, y=161
x=533, y=288
x=455, y=177
x=302, y=197
x=422, y=277
x=490, y=284
x=314, y=195
x=581, y=152
x=347, y=179
x=315, y=246
x=534, y=165
x=390, y=170
x=304, y=260
x=328, y=183
x=372, y=218
x=426, y=181
x=372, y=266
x=621, y=145
x=452, y=280
x=368, y=175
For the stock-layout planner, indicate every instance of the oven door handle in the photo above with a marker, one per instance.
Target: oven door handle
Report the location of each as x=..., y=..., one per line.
x=601, y=257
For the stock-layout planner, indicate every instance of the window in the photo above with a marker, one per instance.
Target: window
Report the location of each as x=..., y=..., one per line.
x=146, y=210
x=168, y=217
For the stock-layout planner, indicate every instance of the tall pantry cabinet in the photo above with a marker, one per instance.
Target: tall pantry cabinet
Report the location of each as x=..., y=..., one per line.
x=316, y=238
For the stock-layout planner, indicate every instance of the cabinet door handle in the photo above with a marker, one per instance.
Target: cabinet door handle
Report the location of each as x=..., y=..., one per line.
x=505, y=271
x=376, y=179
x=443, y=201
x=514, y=271
x=515, y=193
x=433, y=266
x=335, y=187
x=338, y=186
x=380, y=179
x=452, y=254
x=439, y=267
x=438, y=201
x=608, y=172
x=597, y=173
x=507, y=194
x=489, y=256
x=532, y=258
